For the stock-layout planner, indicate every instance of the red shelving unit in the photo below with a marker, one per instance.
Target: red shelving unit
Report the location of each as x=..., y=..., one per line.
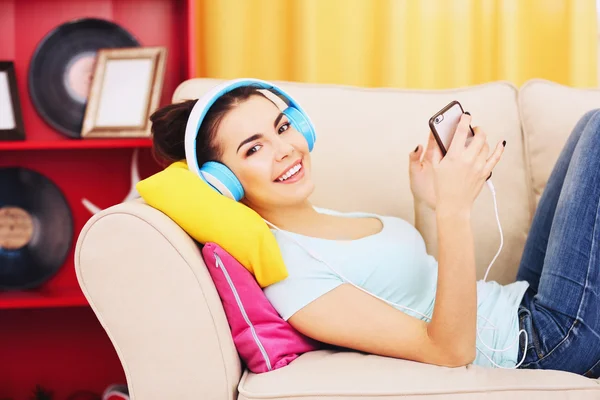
x=75, y=144
x=49, y=335
x=45, y=297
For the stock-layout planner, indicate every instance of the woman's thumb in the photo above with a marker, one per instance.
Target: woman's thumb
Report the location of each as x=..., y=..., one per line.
x=415, y=155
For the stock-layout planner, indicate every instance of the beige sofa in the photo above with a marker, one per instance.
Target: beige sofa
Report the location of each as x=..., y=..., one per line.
x=146, y=281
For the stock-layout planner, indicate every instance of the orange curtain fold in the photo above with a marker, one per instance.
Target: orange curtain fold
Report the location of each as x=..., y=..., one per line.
x=427, y=44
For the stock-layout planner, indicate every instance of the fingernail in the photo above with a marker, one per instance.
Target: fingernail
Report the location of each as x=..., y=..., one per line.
x=468, y=113
x=416, y=148
x=504, y=143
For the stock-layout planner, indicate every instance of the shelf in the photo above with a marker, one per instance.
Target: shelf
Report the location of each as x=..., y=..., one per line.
x=75, y=144
x=42, y=298
x=53, y=334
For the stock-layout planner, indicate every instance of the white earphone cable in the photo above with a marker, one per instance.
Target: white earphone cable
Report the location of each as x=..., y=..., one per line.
x=493, y=327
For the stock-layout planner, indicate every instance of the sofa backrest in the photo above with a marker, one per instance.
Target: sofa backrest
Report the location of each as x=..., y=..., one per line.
x=549, y=112
x=364, y=136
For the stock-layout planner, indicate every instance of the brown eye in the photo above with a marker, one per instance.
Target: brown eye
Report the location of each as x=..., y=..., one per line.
x=253, y=150
x=284, y=127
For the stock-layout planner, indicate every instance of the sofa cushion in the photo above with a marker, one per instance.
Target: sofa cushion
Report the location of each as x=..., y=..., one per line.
x=340, y=375
x=364, y=136
x=549, y=111
x=262, y=338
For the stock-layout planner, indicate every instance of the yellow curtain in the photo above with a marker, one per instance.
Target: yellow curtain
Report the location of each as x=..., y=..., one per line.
x=398, y=43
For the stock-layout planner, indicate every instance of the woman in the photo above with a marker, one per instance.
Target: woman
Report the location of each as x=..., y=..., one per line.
x=554, y=300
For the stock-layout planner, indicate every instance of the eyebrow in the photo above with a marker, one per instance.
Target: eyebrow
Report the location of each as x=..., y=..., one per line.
x=277, y=119
x=258, y=135
x=248, y=140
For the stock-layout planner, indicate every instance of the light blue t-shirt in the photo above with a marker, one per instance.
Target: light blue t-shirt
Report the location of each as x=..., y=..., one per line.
x=394, y=265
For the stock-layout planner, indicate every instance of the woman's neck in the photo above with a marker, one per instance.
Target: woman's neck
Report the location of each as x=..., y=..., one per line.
x=294, y=218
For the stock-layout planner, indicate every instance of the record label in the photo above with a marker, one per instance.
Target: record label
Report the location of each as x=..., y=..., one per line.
x=16, y=228
x=78, y=76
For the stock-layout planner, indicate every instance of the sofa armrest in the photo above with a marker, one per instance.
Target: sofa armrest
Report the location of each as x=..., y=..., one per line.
x=147, y=283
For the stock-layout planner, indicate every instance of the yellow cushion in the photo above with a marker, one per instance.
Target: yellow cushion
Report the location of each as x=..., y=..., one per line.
x=208, y=216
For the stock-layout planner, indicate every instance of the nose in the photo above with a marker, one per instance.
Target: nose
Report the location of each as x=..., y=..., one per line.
x=283, y=149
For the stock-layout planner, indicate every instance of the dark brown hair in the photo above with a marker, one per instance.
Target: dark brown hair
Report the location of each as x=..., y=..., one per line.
x=169, y=122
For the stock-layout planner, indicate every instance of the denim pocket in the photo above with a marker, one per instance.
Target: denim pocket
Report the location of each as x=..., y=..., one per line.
x=533, y=350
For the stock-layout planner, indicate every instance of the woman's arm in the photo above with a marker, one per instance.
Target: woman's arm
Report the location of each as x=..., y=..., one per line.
x=454, y=321
x=459, y=178
x=425, y=222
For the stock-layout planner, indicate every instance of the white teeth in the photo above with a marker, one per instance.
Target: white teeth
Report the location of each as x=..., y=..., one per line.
x=290, y=173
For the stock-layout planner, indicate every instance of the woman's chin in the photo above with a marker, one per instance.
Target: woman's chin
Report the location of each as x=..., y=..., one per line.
x=296, y=193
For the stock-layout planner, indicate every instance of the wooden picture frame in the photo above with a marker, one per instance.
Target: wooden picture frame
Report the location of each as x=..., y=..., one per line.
x=126, y=89
x=11, y=116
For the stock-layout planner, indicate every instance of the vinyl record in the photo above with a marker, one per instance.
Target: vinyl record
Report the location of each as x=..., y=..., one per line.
x=36, y=229
x=61, y=69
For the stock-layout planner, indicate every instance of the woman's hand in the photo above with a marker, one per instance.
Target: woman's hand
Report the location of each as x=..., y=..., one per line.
x=460, y=175
x=421, y=173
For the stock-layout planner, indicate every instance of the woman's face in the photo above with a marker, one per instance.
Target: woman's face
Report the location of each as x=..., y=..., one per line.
x=269, y=157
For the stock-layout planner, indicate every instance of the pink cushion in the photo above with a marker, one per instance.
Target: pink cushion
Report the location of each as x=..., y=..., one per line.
x=264, y=341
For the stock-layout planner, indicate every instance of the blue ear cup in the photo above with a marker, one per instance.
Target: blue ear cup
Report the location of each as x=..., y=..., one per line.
x=222, y=180
x=302, y=125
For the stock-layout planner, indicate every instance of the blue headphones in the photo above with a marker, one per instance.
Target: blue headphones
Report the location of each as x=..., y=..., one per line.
x=216, y=174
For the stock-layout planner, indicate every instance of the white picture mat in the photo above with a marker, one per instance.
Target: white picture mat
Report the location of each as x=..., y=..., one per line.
x=7, y=113
x=124, y=93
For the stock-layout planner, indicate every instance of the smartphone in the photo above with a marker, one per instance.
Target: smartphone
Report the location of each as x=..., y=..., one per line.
x=443, y=125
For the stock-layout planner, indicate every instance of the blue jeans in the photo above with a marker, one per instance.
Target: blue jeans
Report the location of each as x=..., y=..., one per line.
x=561, y=261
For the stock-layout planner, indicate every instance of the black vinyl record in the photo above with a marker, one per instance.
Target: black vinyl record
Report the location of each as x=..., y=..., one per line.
x=62, y=67
x=36, y=229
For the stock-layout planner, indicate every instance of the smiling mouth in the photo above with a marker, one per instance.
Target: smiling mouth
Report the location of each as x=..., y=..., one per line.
x=291, y=173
